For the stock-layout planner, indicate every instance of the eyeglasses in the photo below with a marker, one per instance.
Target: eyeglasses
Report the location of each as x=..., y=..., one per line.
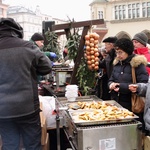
x=119, y=52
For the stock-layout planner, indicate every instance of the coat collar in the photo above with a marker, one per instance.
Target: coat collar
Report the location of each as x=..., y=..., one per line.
x=134, y=60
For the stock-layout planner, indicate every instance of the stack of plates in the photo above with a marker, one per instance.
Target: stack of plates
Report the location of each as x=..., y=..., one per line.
x=71, y=92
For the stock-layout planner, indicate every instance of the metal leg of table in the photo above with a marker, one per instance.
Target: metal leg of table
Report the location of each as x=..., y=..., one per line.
x=58, y=131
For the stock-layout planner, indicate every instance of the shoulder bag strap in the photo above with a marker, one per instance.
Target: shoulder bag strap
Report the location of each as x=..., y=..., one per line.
x=133, y=75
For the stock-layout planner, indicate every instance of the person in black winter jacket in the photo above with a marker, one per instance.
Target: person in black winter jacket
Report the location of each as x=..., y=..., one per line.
x=107, y=65
x=121, y=76
x=20, y=63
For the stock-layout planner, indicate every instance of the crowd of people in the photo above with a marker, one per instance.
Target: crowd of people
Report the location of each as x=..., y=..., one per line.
x=23, y=61
x=122, y=55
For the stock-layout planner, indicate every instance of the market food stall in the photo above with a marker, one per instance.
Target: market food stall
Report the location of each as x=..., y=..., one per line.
x=90, y=123
x=93, y=124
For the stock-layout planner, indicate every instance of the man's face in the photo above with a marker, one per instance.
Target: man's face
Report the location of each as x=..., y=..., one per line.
x=137, y=44
x=108, y=47
x=40, y=44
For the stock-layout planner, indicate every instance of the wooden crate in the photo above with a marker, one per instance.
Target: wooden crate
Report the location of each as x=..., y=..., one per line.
x=147, y=143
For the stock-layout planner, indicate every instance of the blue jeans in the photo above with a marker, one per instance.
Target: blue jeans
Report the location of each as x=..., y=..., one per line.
x=26, y=128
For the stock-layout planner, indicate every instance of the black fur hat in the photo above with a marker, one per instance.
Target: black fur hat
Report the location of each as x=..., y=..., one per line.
x=125, y=44
x=111, y=39
x=9, y=24
x=37, y=37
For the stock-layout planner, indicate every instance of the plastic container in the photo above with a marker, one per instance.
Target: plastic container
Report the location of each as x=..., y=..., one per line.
x=71, y=92
x=71, y=99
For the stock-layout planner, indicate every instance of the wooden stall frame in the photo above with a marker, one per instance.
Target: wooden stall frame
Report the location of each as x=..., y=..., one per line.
x=67, y=27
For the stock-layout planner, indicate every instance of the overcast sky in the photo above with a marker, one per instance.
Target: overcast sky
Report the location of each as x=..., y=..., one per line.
x=77, y=9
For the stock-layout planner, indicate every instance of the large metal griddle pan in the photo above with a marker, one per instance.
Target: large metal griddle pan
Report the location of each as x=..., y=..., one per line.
x=84, y=122
x=112, y=102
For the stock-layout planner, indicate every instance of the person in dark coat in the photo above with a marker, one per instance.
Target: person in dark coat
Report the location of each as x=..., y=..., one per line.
x=107, y=65
x=20, y=63
x=121, y=76
x=102, y=78
x=38, y=40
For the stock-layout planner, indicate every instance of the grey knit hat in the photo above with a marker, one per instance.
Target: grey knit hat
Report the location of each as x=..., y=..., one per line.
x=141, y=37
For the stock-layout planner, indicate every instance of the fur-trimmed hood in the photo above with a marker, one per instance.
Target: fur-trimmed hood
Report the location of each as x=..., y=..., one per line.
x=135, y=60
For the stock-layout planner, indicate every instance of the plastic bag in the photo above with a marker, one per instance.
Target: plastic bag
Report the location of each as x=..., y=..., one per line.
x=48, y=107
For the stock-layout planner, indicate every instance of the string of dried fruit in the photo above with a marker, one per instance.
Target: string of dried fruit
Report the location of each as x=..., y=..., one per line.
x=91, y=51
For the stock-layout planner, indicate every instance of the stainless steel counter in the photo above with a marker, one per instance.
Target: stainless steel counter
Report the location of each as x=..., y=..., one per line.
x=110, y=136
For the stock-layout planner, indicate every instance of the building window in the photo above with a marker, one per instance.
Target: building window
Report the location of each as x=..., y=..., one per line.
x=143, y=12
x=133, y=13
x=124, y=14
x=148, y=12
x=120, y=12
x=130, y=11
x=129, y=6
x=138, y=12
x=134, y=10
x=129, y=14
x=100, y=14
x=46, y=18
x=116, y=14
x=146, y=9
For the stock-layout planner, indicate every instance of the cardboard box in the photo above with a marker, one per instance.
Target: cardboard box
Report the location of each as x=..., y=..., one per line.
x=46, y=146
x=41, y=106
x=147, y=143
x=44, y=128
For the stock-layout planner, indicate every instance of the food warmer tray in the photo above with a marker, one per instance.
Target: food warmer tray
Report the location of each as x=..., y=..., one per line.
x=87, y=123
x=69, y=105
x=98, y=122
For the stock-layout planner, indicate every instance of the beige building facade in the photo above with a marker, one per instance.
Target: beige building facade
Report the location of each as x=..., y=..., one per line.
x=3, y=9
x=123, y=18
x=30, y=20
